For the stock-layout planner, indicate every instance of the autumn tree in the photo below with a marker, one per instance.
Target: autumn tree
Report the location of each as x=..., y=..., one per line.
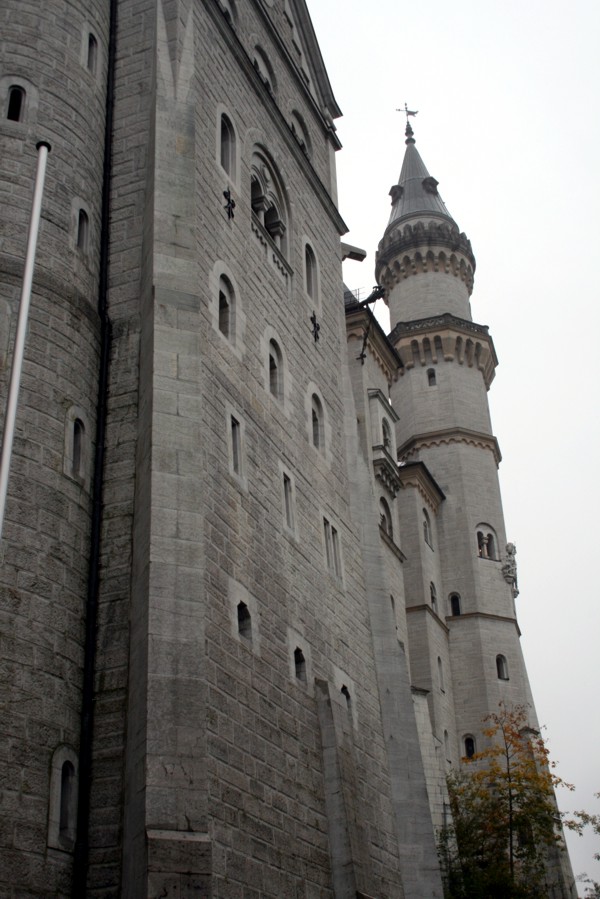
x=505, y=822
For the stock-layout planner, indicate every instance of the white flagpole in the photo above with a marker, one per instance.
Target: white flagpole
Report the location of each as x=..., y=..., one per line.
x=43, y=149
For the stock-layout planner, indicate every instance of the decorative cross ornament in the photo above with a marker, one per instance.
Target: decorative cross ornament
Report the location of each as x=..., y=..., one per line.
x=316, y=327
x=230, y=204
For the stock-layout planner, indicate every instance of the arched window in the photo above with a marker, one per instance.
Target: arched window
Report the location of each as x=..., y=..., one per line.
x=227, y=146
x=244, y=621
x=82, y=231
x=486, y=542
x=226, y=308
x=310, y=268
x=502, y=667
x=300, y=664
x=92, y=54
x=275, y=370
x=447, y=745
x=441, y=675
x=66, y=827
x=77, y=449
x=427, y=528
x=385, y=518
x=62, y=812
x=267, y=199
x=265, y=70
x=433, y=596
x=228, y=9
x=300, y=132
x=317, y=422
x=454, y=604
x=16, y=103
x=469, y=743
x=431, y=382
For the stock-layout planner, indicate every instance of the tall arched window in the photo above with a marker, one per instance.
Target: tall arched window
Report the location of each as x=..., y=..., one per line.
x=318, y=438
x=441, y=675
x=310, y=268
x=275, y=370
x=226, y=308
x=469, y=743
x=502, y=667
x=228, y=146
x=66, y=827
x=16, y=103
x=385, y=518
x=455, y=604
x=387, y=434
x=433, y=596
x=427, y=528
x=431, y=381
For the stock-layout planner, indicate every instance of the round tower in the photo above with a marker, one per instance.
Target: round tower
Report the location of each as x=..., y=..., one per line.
x=52, y=88
x=461, y=580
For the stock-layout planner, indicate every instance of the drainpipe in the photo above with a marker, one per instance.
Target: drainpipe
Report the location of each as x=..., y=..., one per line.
x=81, y=852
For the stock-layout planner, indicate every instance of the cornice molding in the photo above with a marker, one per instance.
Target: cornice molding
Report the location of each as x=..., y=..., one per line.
x=417, y=475
x=411, y=249
x=360, y=321
x=487, y=615
x=450, y=339
x=445, y=437
x=386, y=471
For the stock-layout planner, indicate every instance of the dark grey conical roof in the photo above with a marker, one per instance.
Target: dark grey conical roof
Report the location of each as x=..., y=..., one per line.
x=416, y=192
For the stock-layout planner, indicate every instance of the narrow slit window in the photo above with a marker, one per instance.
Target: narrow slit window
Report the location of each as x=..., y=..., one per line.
x=66, y=827
x=469, y=747
x=300, y=665
x=82, y=231
x=223, y=314
x=335, y=545
x=431, y=380
x=92, y=54
x=441, y=675
x=16, y=104
x=236, y=446
x=310, y=265
x=288, y=499
x=455, y=604
x=78, y=436
x=328, y=547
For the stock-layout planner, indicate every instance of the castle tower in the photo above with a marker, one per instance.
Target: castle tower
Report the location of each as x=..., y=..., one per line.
x=460, y=578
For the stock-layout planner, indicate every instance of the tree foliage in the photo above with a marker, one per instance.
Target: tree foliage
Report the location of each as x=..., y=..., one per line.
x=505, y=820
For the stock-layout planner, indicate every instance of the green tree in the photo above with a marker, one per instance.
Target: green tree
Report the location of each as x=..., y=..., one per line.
x=505, y=821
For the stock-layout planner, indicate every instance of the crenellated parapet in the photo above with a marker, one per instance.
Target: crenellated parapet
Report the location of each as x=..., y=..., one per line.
x=445, y=338
x=410, y=249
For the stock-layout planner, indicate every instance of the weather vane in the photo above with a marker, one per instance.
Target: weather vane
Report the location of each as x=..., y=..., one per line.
x=408, y=112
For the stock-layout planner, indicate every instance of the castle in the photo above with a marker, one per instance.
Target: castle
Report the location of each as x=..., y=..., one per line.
x=256, y=590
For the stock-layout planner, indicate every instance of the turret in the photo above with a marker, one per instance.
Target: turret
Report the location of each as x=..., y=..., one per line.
x=423, y=238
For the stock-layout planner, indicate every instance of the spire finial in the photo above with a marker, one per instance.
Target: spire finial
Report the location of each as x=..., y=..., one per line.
x=409, y=132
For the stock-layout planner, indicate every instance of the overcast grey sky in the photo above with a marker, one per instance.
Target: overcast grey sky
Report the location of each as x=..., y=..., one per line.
x=508, y=124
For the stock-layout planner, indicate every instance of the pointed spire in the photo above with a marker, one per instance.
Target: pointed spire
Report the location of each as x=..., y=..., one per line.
x=416, y=193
